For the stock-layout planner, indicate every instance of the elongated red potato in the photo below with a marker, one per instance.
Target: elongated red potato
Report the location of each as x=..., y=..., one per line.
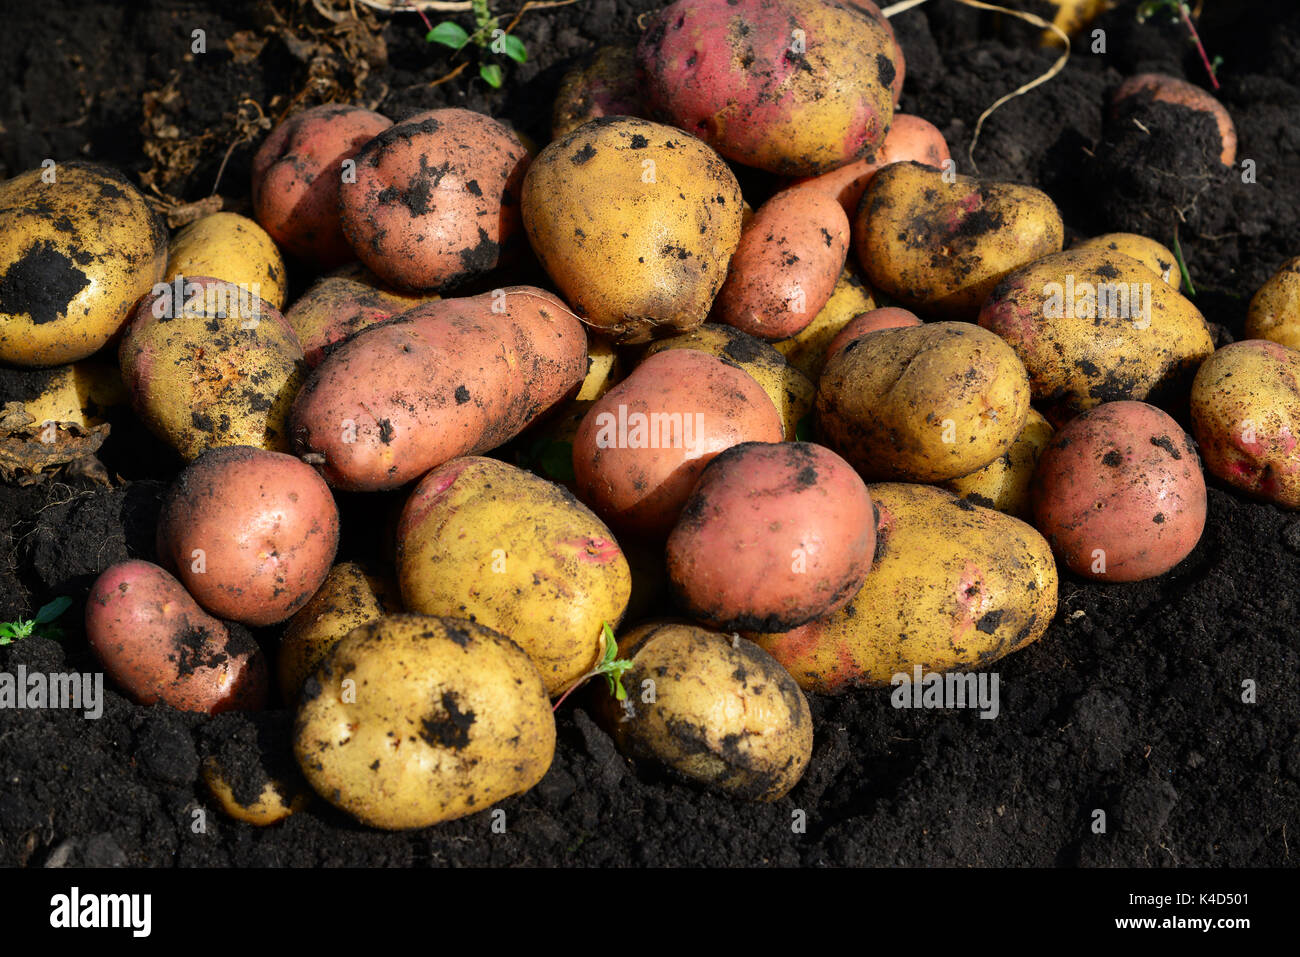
x=157, y=644
x=1170, y=89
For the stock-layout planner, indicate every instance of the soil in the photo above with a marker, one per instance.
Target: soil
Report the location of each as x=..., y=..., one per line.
x=1132, y=703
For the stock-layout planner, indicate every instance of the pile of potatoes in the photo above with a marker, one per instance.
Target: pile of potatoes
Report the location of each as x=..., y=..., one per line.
x=799, y=442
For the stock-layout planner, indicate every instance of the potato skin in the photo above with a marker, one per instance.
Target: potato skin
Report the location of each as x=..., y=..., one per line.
x=1274, y=312
x=722, y=70
x=448, y=718
x=635, y=222
x=275, y=803
x=1078, y=361
x=1124, y=479
x=1003, y=484
x=1155, y=256
x=605, y=85
x=786, y=265
x=889, y=317
x=772, y=537
x=451, y=377
x=75, y=257
x=1245, y=407
x=483, y=540
x=924, y=403
x=1169, y=89
x=638, y=487
x=233, y=248
x=958, y=240
x=954, y=587
x=722, y=712
x=202, y=380
x=266, y=525
x=157, y=644
x=296, y=177
x=436, y=201
x=807, y=350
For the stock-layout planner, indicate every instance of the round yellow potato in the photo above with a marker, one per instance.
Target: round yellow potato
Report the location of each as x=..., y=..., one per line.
x=1003, y=484
x=954, y=587
x=230, y=247
x=80, y=393
x=276, y=801
x=79, y=246
x=412, y=720
x=1274, y=312
x=923, y=403
x=807, y=350
x=1159, y=259
x=713, y=708
x=635, y=222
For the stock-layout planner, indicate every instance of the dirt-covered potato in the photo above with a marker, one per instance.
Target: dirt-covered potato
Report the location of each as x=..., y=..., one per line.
x=604, y=85
x=157, y=644
x=1156, y=257
x=483, y=540
x=923, y=403
x=412, y=720
x=635, y=223
x=436, y=199
x=954, y=587
x=250, y=533
x=643, y=444
x=789, y=389
x=79, y=246
x=772, y=537
x=233, y=248
x=81, y=393
x=296, y=177
x=784, y=270
x=873, y=12
x=807, y=350
x=604, y=369
x=1274, y=312
x=1003, y=484
x=1119, y=493
x=1245, y=408
x=208, y=365
x=940, y=247
x=1093, y=326
x=724, y=70
x=1168, y=89
x=888, y=317
x=713, y=708
x=250, y=770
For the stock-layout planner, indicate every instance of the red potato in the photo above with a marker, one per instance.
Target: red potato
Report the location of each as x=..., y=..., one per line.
x=1119, y=493
x=159, y=645
x=436, y=201
x=1169, y=89
x=887, y=317
x=643, y=444
x=772, y=537
x=251, y=533
x=452, y=377
x=296, y=178
x=786, y=265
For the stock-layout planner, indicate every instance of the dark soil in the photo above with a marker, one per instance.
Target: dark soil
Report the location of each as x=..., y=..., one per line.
x=1132, y=702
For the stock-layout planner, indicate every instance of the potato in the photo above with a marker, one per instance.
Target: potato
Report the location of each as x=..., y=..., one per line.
x=1119, y=493
x=272, y=804
x=1003, y=484
x=436, y=199
x=1245, y=408
x=772, y=537
x=786, y=266
x=605, y=85
x=1159, y=259
x=157, y=644
x=483, y=540
x=233, y=248
x=642, y=445
x=347, y=598
x=412, y=720
x=81, y=393
x=252, y=533
x=924, y=403
x=874, y=13
x=603, y=369
x=1168, y=89
x=635, y=223
x=940, y=247
x=807, y=350
x=251, y=772
x=1093, y=326
x=954, y=587
x=1274, y=312
x=79, y=246
x=890, y=317
x=449, y=378
x=296, y=177
x=208, y=365
x=724, y=71
x=789, y=389
x=713, y=709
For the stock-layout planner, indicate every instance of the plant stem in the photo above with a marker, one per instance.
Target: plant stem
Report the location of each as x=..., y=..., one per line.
x=1187, y=19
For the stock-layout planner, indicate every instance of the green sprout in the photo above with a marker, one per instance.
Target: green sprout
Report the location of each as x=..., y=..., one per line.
x=611, y=666
x=11, y=631
x=1179, y=11
x=487, y=36
x=1182, y=265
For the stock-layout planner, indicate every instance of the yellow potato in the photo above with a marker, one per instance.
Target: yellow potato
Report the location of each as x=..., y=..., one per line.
x=1275, y=309
x=230, y=247
x=603, y=369
x=954, y=587
x=1003, y=484
x=412, y=720
x=273, y=803
x=80, y=393
x=807, y=351
x=1159, y=259
x=79, y=246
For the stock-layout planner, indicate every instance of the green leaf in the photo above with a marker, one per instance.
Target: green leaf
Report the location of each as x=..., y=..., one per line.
x=449, y=34
x=7, y=631
x=611, y=646
x=53, y=610
x=491, y=73
x=514, y=48
x=556, y=459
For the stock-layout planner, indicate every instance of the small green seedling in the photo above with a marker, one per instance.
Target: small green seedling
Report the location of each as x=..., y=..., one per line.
x=611, y=666
x=1182, y=266
x=487, y=36
x=1178, y=10
x=11, y=631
